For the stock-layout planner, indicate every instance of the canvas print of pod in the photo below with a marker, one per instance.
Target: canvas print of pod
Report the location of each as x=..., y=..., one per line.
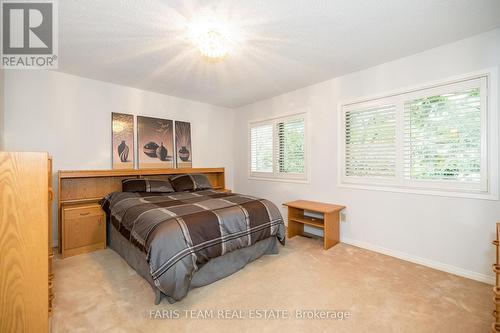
x=155, y=142
x=183, y=144
x=123, y=140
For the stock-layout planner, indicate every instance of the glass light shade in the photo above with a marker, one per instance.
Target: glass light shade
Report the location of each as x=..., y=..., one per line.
x=212, y=44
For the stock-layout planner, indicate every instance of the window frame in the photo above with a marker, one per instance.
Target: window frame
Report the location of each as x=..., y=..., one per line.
x=275, y=175
x=489, y=140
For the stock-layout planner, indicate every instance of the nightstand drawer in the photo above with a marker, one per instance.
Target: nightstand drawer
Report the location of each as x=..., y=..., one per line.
x=83, y=229
x=84, y=211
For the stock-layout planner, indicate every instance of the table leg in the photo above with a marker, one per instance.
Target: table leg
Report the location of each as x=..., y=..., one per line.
x=331, y=231
x=295, y=228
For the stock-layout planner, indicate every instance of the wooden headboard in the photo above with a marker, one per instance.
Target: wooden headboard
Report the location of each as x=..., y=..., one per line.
x=92, y=185
x=85, y=187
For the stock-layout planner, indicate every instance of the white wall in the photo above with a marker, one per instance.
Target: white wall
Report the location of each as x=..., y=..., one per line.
x=70, y=117
x=452, y=234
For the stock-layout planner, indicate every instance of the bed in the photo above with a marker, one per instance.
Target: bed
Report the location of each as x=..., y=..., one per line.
x=182, y=240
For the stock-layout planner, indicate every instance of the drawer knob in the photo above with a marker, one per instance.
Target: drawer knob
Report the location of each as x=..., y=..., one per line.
x=84, y=214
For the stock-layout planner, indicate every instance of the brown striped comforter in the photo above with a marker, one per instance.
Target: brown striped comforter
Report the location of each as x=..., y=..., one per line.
x=182, y=231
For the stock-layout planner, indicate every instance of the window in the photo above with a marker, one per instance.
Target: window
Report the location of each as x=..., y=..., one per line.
x=278, y=149
x=433, y=139
x=443, y=137
x=262, y=148
x=371, y=142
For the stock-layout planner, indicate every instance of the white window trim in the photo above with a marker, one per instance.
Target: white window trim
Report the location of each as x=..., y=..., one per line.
x=277, y=176
x=489, y=142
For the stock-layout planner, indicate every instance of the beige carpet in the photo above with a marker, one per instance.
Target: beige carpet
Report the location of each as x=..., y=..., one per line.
x=99, y=292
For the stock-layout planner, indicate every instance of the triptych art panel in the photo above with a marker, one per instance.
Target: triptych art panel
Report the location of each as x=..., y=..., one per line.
x=123, y=140
x=161, y=143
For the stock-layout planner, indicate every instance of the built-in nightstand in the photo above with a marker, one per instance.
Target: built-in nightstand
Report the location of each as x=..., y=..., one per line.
x=83, y=229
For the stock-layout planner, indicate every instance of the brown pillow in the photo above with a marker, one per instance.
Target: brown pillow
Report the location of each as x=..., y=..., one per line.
x=190, y=182
x=146, y=185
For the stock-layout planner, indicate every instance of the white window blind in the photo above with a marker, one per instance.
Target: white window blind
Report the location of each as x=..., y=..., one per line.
x=443, y=137
x=434, y=140
x=290, y=150
x=278, y=148
x=370, y=142
x=261, y=146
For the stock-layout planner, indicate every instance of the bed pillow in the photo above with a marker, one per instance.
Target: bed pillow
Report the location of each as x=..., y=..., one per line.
x=146, y=185
x=190, y=182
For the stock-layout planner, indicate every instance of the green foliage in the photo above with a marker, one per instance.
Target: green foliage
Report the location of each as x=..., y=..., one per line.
x=445, y=136
x=291, y=146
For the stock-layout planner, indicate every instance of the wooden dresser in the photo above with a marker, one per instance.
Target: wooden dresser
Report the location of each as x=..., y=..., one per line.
x=24, y=238
x=51, y=246
x=495, y=327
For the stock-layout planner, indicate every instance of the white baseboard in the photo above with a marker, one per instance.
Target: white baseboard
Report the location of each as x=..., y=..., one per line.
x=422, y=261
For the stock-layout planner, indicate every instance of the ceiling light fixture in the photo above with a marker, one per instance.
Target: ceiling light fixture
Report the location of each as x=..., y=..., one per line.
x=212, y=44
x=212, y=37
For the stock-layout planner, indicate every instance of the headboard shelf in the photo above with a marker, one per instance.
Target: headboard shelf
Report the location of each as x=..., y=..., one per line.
x=79, y=201
x=134, y=172
x=77, y=186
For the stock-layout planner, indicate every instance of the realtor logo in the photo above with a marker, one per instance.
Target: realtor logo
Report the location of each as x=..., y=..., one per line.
x=29, y=34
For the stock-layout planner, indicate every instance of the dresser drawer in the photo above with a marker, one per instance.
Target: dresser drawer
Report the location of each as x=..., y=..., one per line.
x=83, y=229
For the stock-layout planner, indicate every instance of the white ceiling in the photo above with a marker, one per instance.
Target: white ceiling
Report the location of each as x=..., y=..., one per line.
x=289, y=44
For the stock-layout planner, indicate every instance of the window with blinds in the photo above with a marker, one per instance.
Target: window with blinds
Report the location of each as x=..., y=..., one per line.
x=433, y=139
x=290, y=150
x=370, y=142
x=261, y=146
x=278, y=148
x=443, y=137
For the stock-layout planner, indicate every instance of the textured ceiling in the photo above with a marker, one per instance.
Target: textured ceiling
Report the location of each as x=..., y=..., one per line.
x=287, y=44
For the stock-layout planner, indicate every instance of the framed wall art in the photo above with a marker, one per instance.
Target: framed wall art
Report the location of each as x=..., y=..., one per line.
x=122, y=140
x=183, y=147
x=155, y=142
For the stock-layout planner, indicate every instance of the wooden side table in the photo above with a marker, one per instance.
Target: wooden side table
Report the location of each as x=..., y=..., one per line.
x=329, y=222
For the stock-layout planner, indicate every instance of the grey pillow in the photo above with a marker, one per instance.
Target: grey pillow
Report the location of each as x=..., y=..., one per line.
x=202, y=182
x=146, y=185
x=190, y=182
